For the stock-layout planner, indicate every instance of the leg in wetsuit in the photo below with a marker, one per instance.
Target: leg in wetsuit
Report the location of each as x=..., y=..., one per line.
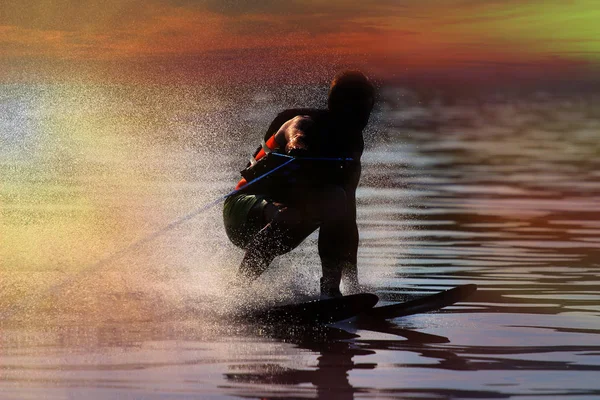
x=271, y=229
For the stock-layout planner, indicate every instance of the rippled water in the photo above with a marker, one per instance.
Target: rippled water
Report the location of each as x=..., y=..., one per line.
x=501, y=192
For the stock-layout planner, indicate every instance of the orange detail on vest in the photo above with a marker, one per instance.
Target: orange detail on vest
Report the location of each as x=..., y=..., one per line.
x=271, y=144
x=241, y=183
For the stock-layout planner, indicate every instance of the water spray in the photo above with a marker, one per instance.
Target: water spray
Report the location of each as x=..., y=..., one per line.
x=150, y=237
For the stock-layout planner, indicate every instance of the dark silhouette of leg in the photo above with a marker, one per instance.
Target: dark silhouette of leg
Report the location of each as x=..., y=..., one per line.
x=338, y=240
x=283, y=233
x=287, y=226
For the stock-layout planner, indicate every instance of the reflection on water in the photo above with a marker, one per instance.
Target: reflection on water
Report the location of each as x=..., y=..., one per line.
x=503, y=193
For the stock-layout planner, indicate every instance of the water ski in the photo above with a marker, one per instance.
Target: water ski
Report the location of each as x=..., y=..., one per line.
x=318, y=311
x=422, y=304
x=358, y=305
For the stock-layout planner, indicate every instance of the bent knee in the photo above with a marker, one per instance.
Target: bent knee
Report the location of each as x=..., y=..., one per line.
x=287, y=215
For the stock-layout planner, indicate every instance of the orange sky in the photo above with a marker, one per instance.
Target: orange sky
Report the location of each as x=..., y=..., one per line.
x=205, y=40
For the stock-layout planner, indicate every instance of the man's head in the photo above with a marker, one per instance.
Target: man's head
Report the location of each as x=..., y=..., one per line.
x=351, y=98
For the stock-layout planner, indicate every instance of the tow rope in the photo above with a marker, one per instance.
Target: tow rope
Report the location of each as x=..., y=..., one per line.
x=151, y=236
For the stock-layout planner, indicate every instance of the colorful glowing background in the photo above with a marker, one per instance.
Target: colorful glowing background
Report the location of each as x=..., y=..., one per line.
x=119, y=117
x=78, y=159
x=212, y=40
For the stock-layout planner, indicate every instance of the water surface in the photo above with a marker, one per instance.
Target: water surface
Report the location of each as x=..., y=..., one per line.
x=498, y=191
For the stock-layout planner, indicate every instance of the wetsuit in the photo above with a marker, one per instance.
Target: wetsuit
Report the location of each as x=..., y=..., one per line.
x=243, y=212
